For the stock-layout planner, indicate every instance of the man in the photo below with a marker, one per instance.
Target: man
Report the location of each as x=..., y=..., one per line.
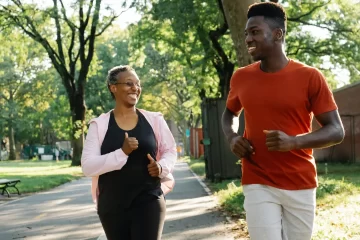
x=279, y=97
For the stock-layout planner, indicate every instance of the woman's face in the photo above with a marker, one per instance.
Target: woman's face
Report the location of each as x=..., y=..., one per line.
x=127, y=89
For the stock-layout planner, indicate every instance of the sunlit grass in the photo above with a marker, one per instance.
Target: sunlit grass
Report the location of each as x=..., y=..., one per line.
x=38, y=175
x=197, y=165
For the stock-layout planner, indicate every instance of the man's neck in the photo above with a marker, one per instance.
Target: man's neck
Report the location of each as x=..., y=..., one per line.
x=274, y=63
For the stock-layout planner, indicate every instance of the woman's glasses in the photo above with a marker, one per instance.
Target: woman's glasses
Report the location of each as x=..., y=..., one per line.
x=129, y=84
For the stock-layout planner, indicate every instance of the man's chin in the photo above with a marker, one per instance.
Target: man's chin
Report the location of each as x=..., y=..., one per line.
x=256, y=58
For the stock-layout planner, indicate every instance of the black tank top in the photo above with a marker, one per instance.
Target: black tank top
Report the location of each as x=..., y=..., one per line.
x=119, y=189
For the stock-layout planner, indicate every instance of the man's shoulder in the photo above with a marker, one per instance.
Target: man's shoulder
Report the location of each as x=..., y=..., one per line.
x=251, y=68
x=300, y=66
x=247, y=72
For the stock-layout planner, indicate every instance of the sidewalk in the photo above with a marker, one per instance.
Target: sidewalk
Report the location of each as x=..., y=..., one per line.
x=67, y=212
x=191, y=213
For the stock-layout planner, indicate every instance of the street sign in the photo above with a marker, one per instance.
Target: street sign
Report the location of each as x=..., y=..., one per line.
x=187, y=132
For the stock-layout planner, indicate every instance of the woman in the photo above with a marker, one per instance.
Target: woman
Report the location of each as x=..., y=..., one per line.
x=130, y=153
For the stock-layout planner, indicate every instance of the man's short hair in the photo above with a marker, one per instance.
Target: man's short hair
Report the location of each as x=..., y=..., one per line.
x=273, y=13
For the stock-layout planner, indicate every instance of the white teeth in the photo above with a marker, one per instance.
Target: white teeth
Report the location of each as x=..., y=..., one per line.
x=251, y=49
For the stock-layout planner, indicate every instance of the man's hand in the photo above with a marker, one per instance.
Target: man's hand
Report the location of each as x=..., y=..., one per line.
x=153, y=167
x=130, y=144
x=279, y=141
x=241, y=147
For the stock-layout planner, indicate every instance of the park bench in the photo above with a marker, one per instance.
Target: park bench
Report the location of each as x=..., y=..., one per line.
x=6, y=183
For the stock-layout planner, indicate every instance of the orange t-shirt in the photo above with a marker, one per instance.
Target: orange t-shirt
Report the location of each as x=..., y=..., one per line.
x=285, y=100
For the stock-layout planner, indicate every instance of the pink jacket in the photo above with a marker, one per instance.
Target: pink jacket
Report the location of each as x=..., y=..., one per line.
x=94, y=164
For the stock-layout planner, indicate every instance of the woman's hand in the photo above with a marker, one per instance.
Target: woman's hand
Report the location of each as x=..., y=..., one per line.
x=130, y=144
x=154, y=168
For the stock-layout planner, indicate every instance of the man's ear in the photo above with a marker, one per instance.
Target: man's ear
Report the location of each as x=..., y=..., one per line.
x=279, y=35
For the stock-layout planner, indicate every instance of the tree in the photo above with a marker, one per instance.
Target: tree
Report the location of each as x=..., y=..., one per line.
x=338, y=45
x=197, y=32
x=20, y=60
x=168, y=84
x=69, y=41
x=45, y=108
x=235, y=12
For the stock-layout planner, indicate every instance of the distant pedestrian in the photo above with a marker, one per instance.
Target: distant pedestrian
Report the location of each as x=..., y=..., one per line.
x=56, y=154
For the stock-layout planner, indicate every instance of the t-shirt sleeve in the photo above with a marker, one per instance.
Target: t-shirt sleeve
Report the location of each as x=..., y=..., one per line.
x=233, y=102
x=320, y=95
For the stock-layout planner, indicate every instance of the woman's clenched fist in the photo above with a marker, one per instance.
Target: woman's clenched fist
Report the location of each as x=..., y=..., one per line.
x=130, y=144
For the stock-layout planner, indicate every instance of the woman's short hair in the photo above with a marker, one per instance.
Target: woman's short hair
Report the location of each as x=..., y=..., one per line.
x=112, y=75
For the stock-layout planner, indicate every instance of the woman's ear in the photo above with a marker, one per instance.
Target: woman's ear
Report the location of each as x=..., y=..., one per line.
x=112, y=88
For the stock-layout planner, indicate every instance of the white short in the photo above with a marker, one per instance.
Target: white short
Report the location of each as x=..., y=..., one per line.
x=276, y=214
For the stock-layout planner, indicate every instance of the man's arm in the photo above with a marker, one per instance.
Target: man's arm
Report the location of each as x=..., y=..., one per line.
x=230, y=124
x=240, y=146
x=330, y=133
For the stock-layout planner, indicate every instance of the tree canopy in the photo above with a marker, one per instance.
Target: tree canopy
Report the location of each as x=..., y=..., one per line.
x=54, y=59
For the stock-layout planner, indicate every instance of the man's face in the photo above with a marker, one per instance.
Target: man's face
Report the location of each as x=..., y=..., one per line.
x=259, y=38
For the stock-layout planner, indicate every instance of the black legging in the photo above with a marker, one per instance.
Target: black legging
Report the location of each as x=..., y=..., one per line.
x=143, y=220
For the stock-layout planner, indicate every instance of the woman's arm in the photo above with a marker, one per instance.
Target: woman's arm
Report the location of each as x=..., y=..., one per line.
x=167, y=149
x=95, y=164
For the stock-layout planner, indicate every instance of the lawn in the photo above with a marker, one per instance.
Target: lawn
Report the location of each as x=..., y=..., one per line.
x=38, y=175
x=338, y=200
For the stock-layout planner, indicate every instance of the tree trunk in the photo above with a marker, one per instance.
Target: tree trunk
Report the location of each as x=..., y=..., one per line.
x=41, y=132
x=77, y=106
x=225, y=76
x=235, y=13
x=12, y=155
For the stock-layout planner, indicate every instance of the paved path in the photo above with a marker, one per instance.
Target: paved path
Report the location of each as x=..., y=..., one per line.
x=67, y=212
x=191, y=213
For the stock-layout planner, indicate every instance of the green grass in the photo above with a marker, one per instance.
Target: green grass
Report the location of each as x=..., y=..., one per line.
x=38, y=176
x=338, y=200
x=197, y=165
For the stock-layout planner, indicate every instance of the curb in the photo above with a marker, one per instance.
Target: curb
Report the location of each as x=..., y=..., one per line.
x=208, y=191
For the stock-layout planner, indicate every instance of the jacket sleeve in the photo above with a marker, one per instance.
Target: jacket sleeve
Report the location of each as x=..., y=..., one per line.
x=167, y=148
x=95, y=164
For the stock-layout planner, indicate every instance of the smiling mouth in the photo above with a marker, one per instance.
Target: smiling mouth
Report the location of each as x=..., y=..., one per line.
x=133, y=95
x=251, y=49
